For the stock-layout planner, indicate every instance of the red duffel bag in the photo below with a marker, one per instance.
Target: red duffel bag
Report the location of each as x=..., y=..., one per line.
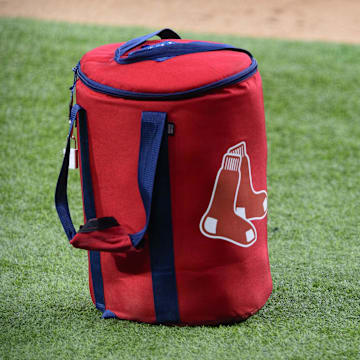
x=172, y=153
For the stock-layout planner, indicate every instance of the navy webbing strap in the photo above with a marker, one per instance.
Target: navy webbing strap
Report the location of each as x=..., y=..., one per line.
x=163, y=34
x=161, y=239
x=152, y=129
x=61, y=200
x=168, y=49
x=165, y=49
x=90, y=211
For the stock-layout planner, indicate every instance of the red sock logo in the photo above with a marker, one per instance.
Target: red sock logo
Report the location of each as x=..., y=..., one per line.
x=250, y=204
x=234, y=202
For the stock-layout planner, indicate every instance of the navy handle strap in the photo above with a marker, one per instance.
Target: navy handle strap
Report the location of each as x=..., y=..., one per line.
x=152, y=132
x=61, y=199
x=168, y=49
x=163, y=34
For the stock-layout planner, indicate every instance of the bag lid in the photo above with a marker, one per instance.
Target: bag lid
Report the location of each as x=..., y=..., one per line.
x=164, y=66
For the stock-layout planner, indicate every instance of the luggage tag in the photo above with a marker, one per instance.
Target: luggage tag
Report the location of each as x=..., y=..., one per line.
x=73, y=159
x=74, y=154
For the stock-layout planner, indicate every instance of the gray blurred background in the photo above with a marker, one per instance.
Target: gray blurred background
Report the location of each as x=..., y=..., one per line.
x=325, y=20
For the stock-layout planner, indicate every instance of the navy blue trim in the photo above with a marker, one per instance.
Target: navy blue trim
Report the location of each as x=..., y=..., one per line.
x=108, y=90
x=72, y=89
x=163, y=34
x=152, y=128
x=169, y=49
x=90, y=212
x=61, y=199
x=161, y=241
x=108, y=315
x=89, y=203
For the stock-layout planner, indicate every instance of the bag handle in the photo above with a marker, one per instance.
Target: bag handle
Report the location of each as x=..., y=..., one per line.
x=163, y=34
x=167, y=49
x=152, y=132
x=61, y=199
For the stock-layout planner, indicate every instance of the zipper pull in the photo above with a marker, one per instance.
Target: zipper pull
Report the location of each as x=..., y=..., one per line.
x=72, y=88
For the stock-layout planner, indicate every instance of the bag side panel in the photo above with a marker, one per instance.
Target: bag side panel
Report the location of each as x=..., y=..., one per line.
x=218, y=280
x=114, y=140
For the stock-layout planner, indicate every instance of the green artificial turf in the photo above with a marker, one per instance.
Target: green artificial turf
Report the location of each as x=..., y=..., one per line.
x=312, y=108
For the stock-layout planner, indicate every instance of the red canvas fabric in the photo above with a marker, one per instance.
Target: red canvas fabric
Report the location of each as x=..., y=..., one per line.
x=217, y=165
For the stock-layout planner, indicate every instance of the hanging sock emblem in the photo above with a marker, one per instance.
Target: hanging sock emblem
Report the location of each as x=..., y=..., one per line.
x=234, y=203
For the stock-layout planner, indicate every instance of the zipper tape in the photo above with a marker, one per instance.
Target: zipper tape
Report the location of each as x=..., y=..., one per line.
x=108, y=90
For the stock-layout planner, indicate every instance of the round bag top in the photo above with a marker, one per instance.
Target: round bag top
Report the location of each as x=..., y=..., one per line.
x=169, y=65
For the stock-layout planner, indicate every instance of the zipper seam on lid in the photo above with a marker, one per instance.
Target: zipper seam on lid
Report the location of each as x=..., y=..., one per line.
x=108, y=90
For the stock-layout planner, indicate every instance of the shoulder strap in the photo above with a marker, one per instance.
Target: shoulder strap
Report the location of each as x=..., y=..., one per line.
x=61, y=199
x=152, y=132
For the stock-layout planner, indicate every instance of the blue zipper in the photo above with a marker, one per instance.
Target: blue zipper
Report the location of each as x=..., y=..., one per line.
x=108, y=90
